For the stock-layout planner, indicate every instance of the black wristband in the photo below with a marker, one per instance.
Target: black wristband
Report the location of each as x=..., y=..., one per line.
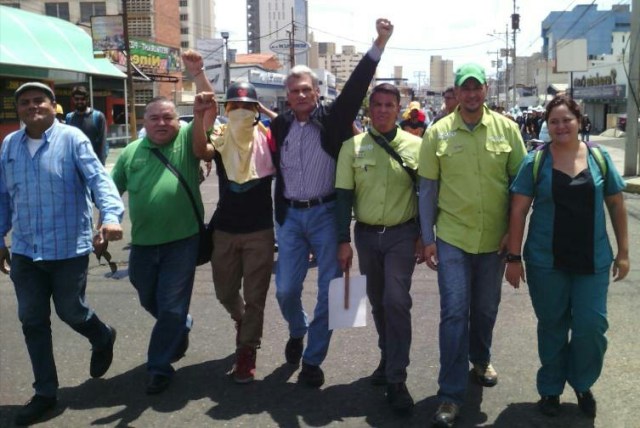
x=513, y=258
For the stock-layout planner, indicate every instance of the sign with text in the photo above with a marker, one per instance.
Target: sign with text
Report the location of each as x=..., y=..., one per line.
x=151, y=57
x=283, y=46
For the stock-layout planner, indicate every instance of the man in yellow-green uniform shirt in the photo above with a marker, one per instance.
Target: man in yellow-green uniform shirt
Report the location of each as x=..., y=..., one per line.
x=467, y=160
x=382, y=193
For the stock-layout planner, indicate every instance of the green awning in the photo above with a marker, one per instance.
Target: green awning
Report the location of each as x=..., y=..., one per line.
x=44, y=47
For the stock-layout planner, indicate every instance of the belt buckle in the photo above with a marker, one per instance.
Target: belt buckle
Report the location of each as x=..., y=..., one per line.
x=383, y=230
x=307, y=203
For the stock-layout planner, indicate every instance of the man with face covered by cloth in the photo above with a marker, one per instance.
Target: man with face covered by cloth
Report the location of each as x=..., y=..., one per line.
x=243, y=222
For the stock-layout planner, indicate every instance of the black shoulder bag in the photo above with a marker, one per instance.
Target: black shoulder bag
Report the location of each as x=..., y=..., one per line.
x=205, y=246
x=387, y=148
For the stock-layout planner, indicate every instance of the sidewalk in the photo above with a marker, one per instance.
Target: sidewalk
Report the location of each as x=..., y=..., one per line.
x=615, y=147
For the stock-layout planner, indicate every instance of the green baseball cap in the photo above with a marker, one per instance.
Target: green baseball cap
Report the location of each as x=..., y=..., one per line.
x=469, y=70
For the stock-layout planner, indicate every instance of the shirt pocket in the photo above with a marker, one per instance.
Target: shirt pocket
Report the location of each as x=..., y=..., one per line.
x=449, y=149
x=363, y=164
x=498, y=147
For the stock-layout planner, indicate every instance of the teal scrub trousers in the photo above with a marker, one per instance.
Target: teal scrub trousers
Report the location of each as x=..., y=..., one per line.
x=572, y=321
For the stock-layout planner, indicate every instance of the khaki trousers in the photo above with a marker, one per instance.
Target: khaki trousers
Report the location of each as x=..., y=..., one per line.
x=243, y=260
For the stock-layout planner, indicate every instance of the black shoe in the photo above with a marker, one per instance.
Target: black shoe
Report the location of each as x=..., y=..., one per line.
x=399, y=398
x=157, y=384
x=379, y=376
x=549, y=405
x=34, y=409
x=311, y=375
x=101, y=358
x=587, y=403
x=446, y=415
x=293, y=350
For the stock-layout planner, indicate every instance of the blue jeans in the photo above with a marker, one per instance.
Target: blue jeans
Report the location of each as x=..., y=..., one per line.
x=163, y=276
x=470, y=290
x=309, y=229
x=36, y=283
x=572, y=321
x=388, y=260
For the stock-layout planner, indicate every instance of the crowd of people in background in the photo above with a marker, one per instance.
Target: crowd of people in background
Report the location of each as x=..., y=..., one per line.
x=453, y=193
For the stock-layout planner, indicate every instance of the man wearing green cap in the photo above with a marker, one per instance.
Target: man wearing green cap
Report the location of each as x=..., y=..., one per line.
x=466, y=163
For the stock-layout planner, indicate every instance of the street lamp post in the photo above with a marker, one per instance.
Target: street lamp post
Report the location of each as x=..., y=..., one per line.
x=225, y=82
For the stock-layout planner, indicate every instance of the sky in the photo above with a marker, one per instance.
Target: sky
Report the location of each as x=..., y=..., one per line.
x=458, y=30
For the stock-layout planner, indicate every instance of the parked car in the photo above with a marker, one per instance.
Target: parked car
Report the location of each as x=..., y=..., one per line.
x=622, y=122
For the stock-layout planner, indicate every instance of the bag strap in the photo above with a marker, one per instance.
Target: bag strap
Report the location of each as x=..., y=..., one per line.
x=182, y=181
x=594, y=150
x=382, y=142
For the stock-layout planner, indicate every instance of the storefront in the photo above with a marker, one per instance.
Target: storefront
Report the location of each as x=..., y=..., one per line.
x=602, y=91
x=58, y=53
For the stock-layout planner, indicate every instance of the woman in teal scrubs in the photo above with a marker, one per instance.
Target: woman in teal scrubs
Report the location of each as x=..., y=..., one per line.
x=567, y=253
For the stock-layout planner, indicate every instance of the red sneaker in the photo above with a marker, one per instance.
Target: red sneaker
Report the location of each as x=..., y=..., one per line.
x=244, y=370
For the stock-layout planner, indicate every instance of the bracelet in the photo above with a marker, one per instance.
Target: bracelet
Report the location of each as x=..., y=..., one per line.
x=513, y=258
x=199, y=73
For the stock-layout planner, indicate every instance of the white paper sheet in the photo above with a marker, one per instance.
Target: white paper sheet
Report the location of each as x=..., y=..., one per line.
x=356, y=314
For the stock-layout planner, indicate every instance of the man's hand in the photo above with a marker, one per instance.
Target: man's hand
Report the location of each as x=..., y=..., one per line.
x=514, y=273
x=345, y=256
x=430, y=255
x=384, y=27
x=5, y=260
x=193, y=62
x=203, y=102
x=111, y=232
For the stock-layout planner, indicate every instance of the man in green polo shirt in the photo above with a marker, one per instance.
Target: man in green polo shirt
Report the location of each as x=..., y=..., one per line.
x=164, y=227
x=382, y=194
x=467, y=160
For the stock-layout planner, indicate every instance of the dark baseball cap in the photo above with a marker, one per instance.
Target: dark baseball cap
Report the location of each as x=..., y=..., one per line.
x=38, y=86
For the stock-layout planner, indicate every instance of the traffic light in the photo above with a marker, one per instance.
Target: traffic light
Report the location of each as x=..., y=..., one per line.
x=515, y=21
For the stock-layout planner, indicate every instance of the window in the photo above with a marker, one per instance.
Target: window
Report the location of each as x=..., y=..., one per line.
x=90, y=8
x=139, y=6
x=184, y=30
x=184, y=3
x=59, y=10
x=143, y=96
x=184, y=17
x=140, y=27
x=184, y=45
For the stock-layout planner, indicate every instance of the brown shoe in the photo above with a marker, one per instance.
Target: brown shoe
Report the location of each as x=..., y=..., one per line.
x=485, y=374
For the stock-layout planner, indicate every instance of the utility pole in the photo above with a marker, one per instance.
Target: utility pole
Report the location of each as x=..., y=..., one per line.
x=497, y=64
x=133, y=132
x=632, y=144
x=515, y=26
x=292, y=40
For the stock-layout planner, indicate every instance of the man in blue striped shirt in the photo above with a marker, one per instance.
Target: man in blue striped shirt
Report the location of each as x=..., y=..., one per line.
x=47, y=173
x=307, y=143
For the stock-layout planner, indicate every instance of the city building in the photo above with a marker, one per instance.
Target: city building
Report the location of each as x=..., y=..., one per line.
x=603, y=88
x=440, y=73
x=196, y=21
x=272, y=25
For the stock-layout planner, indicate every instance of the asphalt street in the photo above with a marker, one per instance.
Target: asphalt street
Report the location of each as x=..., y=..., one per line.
x=202, y=394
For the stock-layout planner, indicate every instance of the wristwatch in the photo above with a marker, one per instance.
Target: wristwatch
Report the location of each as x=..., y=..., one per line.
x=513, y=258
